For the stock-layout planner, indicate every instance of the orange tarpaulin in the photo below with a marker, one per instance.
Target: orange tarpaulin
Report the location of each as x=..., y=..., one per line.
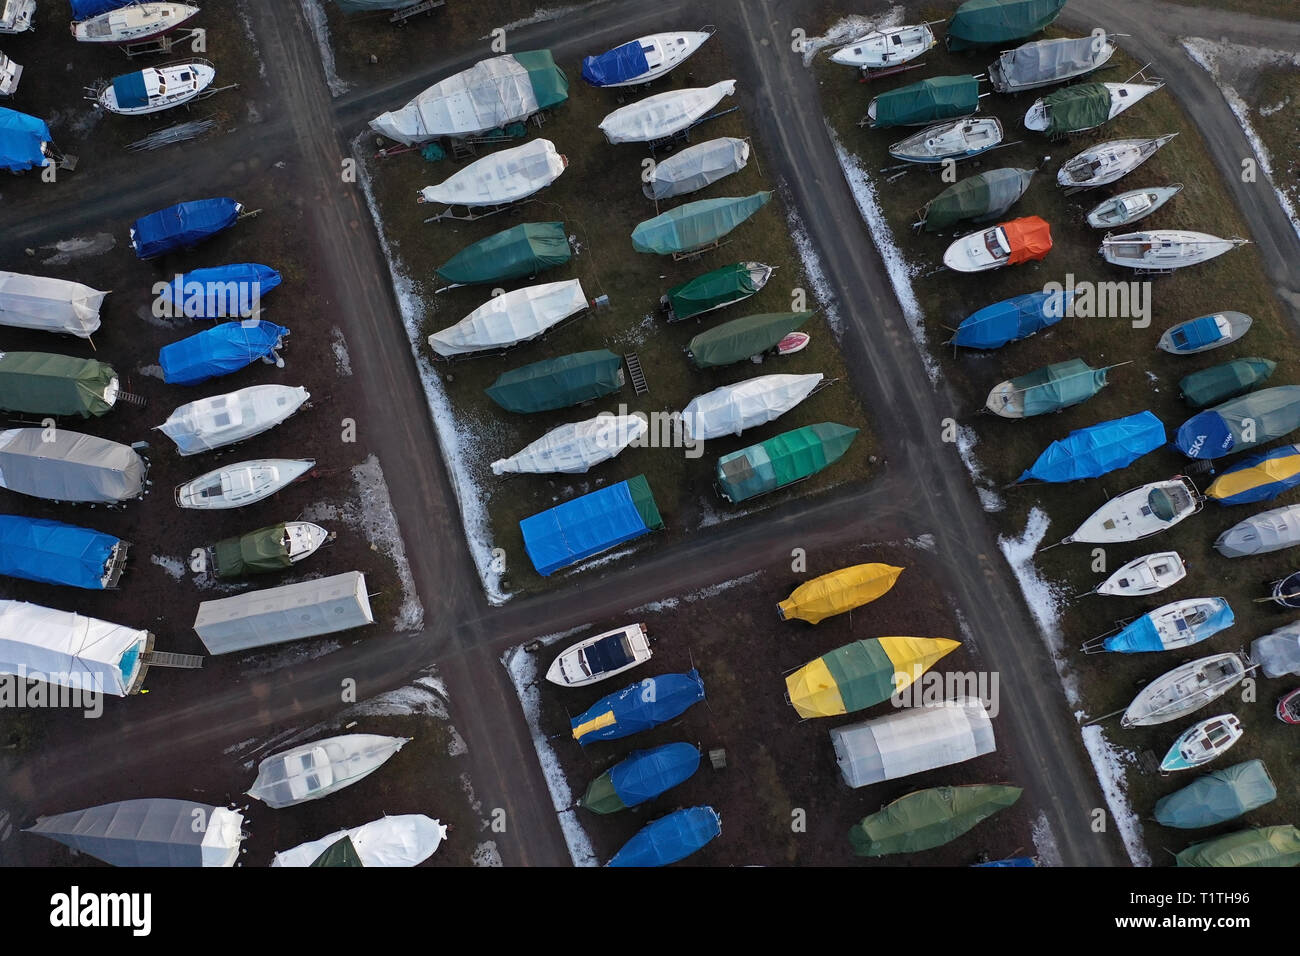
x=1030, y=239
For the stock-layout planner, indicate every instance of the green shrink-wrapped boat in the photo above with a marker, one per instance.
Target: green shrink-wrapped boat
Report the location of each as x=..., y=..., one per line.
x=515, y=253
x=559, y=382
x=783, y=460
x=739, y=339
x=41, y=383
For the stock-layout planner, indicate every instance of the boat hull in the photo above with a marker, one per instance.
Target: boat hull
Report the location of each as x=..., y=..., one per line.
x=203, y=75
x=1184, y=690
x=666, y=53
x=134, y=24
x=264, y=478
x=882, y=49
x=1202, y=743
x=571, y=668
x=1128, y=517
x=1164, y=249
x=956, y=140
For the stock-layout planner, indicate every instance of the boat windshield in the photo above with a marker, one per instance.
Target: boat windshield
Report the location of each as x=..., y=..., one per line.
x=995, y=241
x=1167, y=503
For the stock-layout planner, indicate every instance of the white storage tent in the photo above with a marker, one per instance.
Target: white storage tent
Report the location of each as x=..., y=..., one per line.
x=64, y=648
x=912, y=741
x=288, y=613
x=51, y=305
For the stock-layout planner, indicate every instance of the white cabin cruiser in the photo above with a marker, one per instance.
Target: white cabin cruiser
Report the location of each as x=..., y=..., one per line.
x=882, y=49
x=135, y=23
x=1202, y=742
x=317, y=769
x=155, y=89
x=10, y=74
x=1160, y=250
x=644, y=59
x=17, y=16
x=221, y=420
x=601, y=657
x=241, y=484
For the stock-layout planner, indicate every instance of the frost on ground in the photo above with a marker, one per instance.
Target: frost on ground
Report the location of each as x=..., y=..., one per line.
x=300, y=651
x=342, y=360
x=1045, y=842
x=174, y=567
x=1210, y=56
x=247, y=24
x=153, y=371
x=314, y=13
x=540, y=15
x=456, y=437
x=990, y=500
x=1111, y=763
x=712, y=591
x=848, y=29
x=522, y=668
x=899, y=270
x=812, y=266
x=78, y=247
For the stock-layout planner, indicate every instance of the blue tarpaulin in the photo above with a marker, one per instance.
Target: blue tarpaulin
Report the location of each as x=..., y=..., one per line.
x=670, y=838
x=644, y=774
x=577, y=529
x=219, y=350
x=1196, y=333
x=221, y=291
x=638, y=707
x=1142, y=636
x=129, y=90
x=85, y=9
x=1098, y=449
x=53, y=552
x=1241, y=423
x=618, y=65
x=21, y=137
x=183, y=224
x=1017, y=318
x=1013, y=861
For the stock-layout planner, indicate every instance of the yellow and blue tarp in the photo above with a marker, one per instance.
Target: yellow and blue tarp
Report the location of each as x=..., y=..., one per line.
x=1260, y=477
x=862, y=674
x=837, y=592
x=639, y=706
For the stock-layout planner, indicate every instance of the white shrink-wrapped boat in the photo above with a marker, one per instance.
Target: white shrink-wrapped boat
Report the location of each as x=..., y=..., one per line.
x=643, y=59
x=1140, y=513
x=882, y=49
x=70, y=650
x=17, y=16
x=696, y=167
x=70, y=466
x=152, y=832
x=135, y=23
x=1105, y=163
x=503, y=177
x=663, y=114
x=601, y=656
x=222, y=420
x=322, y=767
x=156, y=88
x=1163, y=249
x=50, y=305
x=406, y=840
x=575, y=448
x=731, y=409
x=511, y=318
x=1267, y=531
x=244, y=483
x=10, y=74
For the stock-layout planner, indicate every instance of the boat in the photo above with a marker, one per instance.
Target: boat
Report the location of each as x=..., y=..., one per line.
x=730, y=409
x=590, y=524
x=291, y=612
x=62, y=465
x=696, y=167
x=601, y=657
x=1217, y=797
x=1262, y=846
x=17, y=16
x=1278, y=652
x=559, y=382
x=1049, y=389
x=670, y=838
x=575, y=448
x=640, y=776
x=152, y=832
x=274, y=548
x=511, y=318
x=490, y=95
x=221, y=420
x=1149, y=574
x=244, y=483
x=983, y=23
x=49, y=305
x=643, y=59
x=1218, y=383
x=503, y=177
x=837, y=592
x=1202, y=742
x=27, y=143
x=402, y=841
x=1169, y=628
x=317, y=769
x=519, y=252
x=229, y=291
x=155, y=88
x=938, y=98
x=1047, y=62
x=696, y=226
x=637, y=707
x=1131, y=206
x=1286, y=591
x=956, y=140
x=1259, y=477
x=183, y=225
x=715, y=290
x=51, y=552
x=746, y=338
x=1241, y=424
x=886, y=48
x=1262, y=533
x=929, y=818
x=1007, y=244
x=41, y=383
x=135, y=23
x=10, y=74
x=1105, y=163
x=1012, y=319
x=1140, y=512
x=664, y=114
x=1185, y=689
x=1162, y=250
x=1288, y=707
x=862, y=674
x=220, y=350
x=910, y=740
x=792, y=343
x=781, y=460
x=1076, y=109
x=1204, y=333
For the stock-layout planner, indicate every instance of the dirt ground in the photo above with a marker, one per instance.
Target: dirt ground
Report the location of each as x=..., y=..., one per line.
x=775, y=763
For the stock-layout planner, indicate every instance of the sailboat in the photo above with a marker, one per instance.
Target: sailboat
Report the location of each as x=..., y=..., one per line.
x=1131, y=206
x=1148, y=574
x=890, y=47
x=135, y=23
x=1076, y=109
x=1140, y=513
x=1172, y=627
x=1185, y=689
x=644, y=59
x=317, y=769
x=221, y=420
x=956, y=140
x=1202, y=742
x=1165, y=249
x=10, y=74
x=1107, y=162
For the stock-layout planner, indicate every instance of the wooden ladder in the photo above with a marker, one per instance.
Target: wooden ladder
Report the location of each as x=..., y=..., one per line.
x=634, y=370
x=168, y=659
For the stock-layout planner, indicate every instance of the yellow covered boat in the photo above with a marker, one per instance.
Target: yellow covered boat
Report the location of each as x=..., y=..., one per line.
x=862, y=674
x=837, y=592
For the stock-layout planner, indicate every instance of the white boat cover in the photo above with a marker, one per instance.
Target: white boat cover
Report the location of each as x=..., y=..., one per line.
x=511, y=318
x=154, y=832
x=487, y=96
x=1267, y=531
x=664, y=113
x=51, y=305
x=1278, y=653
x=697, y=166
x=276, y=615
x=69, y=467
x=731, y=409
x=406, y=840
x=913, y=741
x=572, y=449
x=224, y=419
x=506, y=176
x=64, y=648
x=322, y=767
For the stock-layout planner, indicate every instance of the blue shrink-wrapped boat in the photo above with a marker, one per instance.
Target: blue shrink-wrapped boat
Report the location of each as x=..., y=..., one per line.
x=637, y=707
x=220, y=350
x=184, y=224
x=670, y=838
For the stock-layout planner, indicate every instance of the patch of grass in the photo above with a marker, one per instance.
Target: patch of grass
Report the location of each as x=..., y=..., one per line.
x=1276, y=103
x=599, y=198
x=1233, y=281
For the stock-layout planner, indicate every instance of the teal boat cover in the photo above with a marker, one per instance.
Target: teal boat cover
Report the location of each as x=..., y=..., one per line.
x=938, y=98
x=670, y=838
x=980, y=198
x=1098, y=449
x=1241, y=423
x=515, y=253
x=695, y=224
x=983, y=23
x=587, y=525
x=1217, y=797
x=1058, y=386
x=1218, y=383
x=558, y=382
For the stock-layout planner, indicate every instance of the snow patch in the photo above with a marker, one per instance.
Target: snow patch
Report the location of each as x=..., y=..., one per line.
x=456, y=746
x=1110, y=763
x=990, y=500
x=247, y=23
x=342, y=360
x=1045, y=841
x=379, y=522
x=407, y=701
x=153, y=371
x=847, y=29
x=812, y=267
x=314, y=13
x=174, y=567
x=923, y=541
x=486, y=854
x=302, y=651
x=540, y=15
x=79, y=247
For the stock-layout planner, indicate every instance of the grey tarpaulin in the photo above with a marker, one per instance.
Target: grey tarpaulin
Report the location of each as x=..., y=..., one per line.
x=274, y=615
x=1278, y=653
x=69, y=466
x=1036, y=63
x=154, y=832
x=913, y=740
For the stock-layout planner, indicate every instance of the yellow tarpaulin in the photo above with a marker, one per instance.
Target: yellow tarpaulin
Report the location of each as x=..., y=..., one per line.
x=837, y=592
x=604, y=720
x=862, y=674
x=1265, y=473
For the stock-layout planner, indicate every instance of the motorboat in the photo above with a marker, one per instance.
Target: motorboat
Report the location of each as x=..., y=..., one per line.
x=1006, y=244
x=1148, y=574
x=575, y=448
x=317, y=769
x=155, y=89
x=265, y=550
x=1185, y=689
x=134, y=23
x=245, y=483
x=643, y=59
x=887, y=48
x=792, y=343
x=600, y=657
x=1105, y=163
x=715, y=290
x=1162, y=250
x=1140, y=513
x=1202, y=742
x=1205, y=333
x=956, y=140
x=1288, y=707
x=10, y=74
x=221, y=420
x=17, y=16
x=1131, y=206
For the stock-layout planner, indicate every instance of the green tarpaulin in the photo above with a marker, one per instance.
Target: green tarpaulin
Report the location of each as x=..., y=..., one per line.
x=1075, y=108
x=863, y=674
x=938, y=98
x=643, y=500
x=981, y=23
x=515, y=253
x=1216, y=797
x=982, y=197
x=1058, y=386
x=738, y=339
x=695, y=224
x=550, y=85
x=711, y=290
x=779, y=461
x=601, y=796
x=257, y=552
x=1216, y=384
x=41, y=383
x=559, y=382
x=342, y=853
x=929, y=818
x=1267, y=846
